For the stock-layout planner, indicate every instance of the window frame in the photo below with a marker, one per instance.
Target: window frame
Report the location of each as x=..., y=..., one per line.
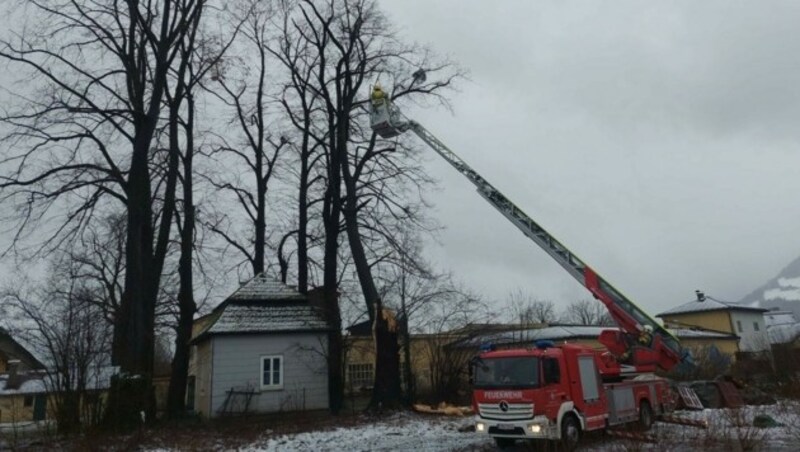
x=281, y=374
x=755, y=326
x=739, y=326
x=359, y=369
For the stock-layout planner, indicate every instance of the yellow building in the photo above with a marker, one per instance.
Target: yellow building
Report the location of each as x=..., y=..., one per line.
x=706, y=314
x=439, y=361
x=434, y=367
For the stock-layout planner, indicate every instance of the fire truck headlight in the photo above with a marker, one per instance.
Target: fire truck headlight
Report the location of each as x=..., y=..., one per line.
x=535, y=428
x=480, y=427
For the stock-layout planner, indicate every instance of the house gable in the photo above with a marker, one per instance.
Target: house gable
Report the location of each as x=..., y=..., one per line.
x=263, y=318
x=11, y=350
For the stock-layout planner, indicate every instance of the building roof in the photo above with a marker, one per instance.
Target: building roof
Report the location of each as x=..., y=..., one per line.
x=709, y=304
x=40, y=381
x=12, y=349
x=264, y=317
x=777, y=318
x=571, y=332
x=782, y=334
x=262, y=287
x=263, y=305
x=26, y=385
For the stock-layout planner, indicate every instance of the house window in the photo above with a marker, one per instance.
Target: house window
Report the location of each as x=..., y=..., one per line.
x=360, y=375
x=28, y=401
x=739, y=325
x=272, y=372
x=755, y=326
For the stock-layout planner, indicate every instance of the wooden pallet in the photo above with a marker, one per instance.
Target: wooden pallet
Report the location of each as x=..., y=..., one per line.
x=689, y=398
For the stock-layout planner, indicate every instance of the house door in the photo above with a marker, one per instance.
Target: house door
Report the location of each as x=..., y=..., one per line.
x=190, y=387
x=39, y=407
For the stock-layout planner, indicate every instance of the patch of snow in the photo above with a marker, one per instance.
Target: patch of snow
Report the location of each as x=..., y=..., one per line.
x=399, y=432
x=728, y=430
x=786, y=294
x=789, y=282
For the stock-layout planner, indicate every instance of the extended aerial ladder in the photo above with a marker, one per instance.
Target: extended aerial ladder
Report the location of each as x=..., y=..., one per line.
x=641, y=344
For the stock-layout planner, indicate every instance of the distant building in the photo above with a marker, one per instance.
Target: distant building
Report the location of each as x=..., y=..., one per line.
x=583, y=334
x=28, y=391
x=708, y=314
x=23, y=396
x=778, y=318
x=261, y=350
x=11, y=350
x=428, y=358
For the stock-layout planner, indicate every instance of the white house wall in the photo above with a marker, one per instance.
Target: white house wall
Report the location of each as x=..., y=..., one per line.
x=237, y=365
x=751, y=340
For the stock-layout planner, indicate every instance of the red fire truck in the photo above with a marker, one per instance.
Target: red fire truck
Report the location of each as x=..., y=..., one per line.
x=550, y=392
x=556, y=393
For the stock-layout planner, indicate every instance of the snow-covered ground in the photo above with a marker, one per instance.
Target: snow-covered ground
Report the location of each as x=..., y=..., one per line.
x=400, y=432
x=729, y=430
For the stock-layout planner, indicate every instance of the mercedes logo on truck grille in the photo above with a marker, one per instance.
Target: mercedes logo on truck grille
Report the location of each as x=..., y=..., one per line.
x=503, y=406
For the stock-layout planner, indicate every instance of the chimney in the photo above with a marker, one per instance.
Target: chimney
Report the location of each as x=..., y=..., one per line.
x=14, y=379
x=700, y=295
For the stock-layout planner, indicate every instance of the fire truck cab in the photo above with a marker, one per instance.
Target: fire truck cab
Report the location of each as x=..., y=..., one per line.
x=558, y=392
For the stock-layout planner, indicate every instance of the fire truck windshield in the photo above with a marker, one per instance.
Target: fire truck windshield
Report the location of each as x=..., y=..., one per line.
x=506, y=372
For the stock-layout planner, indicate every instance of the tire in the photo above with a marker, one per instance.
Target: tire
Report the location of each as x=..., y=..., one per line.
x=504, y=443
x=646, y=417
x=570, y=432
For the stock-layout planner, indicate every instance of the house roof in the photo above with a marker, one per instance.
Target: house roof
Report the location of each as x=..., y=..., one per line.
x=709, y=304
x=263, y=305
x=263, y=287
x=782, y=334
x=40, y=381
x=12, y=349
x=567, y=332
x=263, y=317
x=27, y=385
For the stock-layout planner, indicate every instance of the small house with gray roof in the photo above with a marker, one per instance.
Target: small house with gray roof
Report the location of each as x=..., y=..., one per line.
x=710, y=314
x=262, y=350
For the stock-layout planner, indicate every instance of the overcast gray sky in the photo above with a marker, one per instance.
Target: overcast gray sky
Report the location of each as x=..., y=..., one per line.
x=657, y=140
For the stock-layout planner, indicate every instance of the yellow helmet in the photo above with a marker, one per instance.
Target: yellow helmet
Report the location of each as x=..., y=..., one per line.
x=377, y=92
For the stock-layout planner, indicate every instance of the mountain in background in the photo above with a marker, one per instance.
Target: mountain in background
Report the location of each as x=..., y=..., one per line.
x=781, y=292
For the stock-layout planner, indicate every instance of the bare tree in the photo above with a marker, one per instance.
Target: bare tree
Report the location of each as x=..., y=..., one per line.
x=442, y=321
x=257, y=149
x=64, y=325
x=587, y=312
x=527, y=309
x=103, y=70
x=197, y=55
x=352, y=41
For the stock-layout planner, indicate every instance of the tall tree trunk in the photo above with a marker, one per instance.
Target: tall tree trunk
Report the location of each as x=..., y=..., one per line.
x=176, y=396
x=407, y=374
x=332, y=206
x=386, y=393
x=302, y=215
x=133, y=340
x=134, y=331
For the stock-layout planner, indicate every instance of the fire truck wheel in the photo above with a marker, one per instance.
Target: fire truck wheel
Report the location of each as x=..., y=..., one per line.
x=645, y=415
x=570, y=432
x=504, y=443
